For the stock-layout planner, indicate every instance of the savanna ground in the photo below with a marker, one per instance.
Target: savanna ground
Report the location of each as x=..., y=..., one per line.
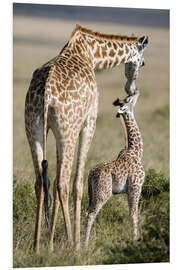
x=35, y=42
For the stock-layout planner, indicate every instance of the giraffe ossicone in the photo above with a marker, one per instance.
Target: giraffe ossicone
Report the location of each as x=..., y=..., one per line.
x=63, y=97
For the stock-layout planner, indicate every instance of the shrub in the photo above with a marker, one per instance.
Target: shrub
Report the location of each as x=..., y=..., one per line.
x=154, y=184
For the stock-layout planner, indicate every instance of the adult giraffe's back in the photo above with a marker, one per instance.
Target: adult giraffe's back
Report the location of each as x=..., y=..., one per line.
x=63, y=96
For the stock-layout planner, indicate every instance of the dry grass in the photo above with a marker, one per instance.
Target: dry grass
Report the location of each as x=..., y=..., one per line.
x=35, y=42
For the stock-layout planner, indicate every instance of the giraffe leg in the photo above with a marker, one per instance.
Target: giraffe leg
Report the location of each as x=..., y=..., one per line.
x=90, y=217
x=35, y=143
x=63, y=190
x=84, y=143
x=99, y=192
x=40, y=199
x=134, y=192
x=61, y=187
x=55, y=205
x=91, y=214
x=54, y=215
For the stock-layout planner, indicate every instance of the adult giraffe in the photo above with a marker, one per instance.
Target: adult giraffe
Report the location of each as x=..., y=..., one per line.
x=63, y=97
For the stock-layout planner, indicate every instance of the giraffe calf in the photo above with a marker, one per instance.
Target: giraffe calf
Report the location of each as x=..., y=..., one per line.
x=125, y=174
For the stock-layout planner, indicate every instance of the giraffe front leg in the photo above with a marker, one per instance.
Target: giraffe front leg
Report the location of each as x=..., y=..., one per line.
x=134, y=192
x=85, y=139
x=134, y=221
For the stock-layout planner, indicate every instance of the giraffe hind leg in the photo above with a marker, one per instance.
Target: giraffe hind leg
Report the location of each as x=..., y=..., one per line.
x=85, y=138
x=98, y=196
x=65, y=155
x=90, y=218
x=35, y=143
x=56, y=203
x=63, y=179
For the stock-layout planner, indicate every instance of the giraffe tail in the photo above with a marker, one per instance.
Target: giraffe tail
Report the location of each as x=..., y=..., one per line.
x=44, y=164
x=46, y=185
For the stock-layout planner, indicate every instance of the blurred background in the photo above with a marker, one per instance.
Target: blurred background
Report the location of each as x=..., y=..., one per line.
x=39, y=33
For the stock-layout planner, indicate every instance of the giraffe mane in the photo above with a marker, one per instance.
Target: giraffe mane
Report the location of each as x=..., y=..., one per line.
x=121, y=38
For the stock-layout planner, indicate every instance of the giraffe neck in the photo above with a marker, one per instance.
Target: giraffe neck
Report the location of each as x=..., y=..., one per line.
x=110, y=53
x=133, y=134
x=102, y=51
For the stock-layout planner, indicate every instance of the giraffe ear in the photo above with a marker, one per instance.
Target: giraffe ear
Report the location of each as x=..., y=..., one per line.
x=116, y=102
x=143, y=41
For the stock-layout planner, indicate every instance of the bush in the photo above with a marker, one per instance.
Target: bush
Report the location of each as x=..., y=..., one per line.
x=154, y=184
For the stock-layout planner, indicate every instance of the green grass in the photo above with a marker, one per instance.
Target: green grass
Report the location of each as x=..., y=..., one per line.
x=110, y=239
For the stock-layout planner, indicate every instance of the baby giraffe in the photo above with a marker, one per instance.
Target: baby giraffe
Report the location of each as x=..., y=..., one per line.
x=125, y=174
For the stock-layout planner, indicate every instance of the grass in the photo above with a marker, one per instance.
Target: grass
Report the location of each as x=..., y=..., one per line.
x=110, y=239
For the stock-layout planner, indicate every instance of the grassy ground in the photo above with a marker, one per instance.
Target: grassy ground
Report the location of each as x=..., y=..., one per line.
x=35, y=42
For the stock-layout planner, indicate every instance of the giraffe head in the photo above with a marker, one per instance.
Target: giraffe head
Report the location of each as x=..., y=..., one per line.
x=127, y=104
x=134, y=63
